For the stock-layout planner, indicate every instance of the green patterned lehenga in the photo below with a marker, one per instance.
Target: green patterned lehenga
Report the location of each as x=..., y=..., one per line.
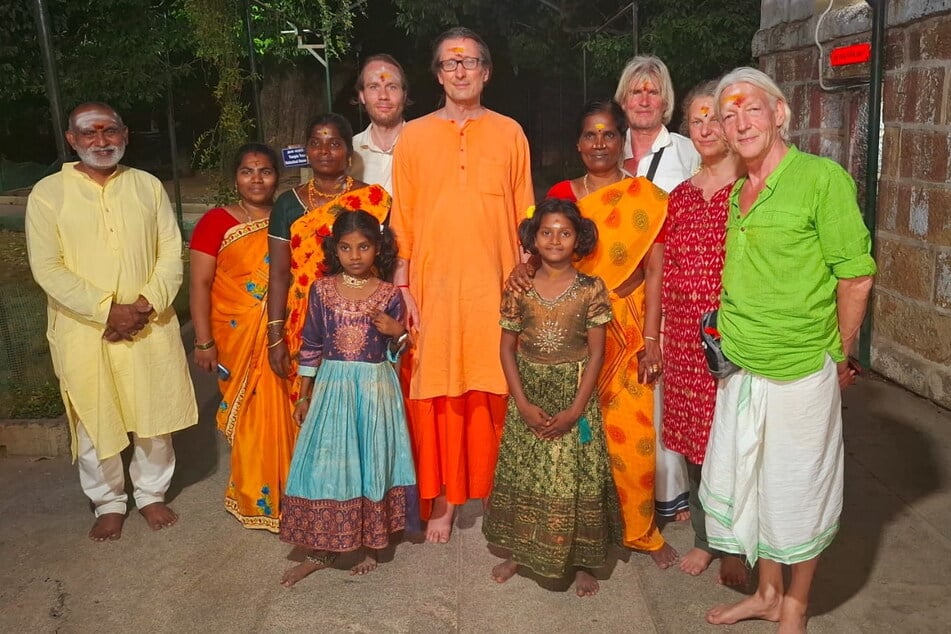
x=553, y=504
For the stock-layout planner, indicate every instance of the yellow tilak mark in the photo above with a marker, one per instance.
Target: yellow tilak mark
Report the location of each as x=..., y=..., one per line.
x=705, y=111
x=598, y=126
x=457, y=49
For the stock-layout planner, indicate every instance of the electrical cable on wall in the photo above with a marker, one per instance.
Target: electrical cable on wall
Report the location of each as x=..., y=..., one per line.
x=822, y=83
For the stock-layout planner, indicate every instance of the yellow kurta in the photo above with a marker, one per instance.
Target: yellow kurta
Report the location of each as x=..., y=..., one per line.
x=90, y=245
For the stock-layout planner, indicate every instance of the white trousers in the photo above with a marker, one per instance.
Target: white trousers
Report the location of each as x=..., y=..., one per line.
x=103, y=481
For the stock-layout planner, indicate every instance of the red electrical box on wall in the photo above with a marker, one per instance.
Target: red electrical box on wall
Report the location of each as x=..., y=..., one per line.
x=852, y=54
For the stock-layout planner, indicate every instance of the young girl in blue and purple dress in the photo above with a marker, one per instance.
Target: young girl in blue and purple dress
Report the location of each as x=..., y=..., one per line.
x=352, y=482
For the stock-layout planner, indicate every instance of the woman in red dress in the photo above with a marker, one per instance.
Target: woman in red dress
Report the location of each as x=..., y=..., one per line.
x=693, y=261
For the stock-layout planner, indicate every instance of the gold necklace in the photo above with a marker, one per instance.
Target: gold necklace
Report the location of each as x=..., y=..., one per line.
x=313, y=192
x=584, y=181
x=244, y=209
x=353, y=282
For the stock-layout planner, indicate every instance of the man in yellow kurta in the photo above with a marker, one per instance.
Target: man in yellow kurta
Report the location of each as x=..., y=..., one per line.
x=104, y=246
x=462, y=181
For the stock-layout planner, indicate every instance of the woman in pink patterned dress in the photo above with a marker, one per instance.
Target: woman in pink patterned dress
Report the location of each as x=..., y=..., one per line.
x=693, y=261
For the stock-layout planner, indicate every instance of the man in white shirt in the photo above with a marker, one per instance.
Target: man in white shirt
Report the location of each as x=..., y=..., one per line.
x=666, y=158
x=646, y=94
x=381, y=89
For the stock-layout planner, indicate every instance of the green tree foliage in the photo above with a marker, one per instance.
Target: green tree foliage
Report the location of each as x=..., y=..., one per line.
x=108, y=50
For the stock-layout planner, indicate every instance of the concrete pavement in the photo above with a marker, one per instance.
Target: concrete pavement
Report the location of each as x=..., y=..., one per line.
x=888, y=570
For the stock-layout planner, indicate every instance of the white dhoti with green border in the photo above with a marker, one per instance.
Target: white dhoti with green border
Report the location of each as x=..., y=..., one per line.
x=773, y=473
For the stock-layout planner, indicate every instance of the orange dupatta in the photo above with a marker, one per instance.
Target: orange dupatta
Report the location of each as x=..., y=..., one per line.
x=307, y=258
x=629, y=215
x=254, y=413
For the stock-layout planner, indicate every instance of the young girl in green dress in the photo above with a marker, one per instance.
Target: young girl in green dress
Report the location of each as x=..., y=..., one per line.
x=553, y=505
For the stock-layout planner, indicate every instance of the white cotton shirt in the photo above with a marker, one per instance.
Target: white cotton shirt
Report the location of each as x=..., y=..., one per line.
x=679, y=162
x=372, y=165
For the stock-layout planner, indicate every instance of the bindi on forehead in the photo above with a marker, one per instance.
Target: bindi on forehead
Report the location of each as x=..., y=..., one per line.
x=737, y=99
x=704, y=111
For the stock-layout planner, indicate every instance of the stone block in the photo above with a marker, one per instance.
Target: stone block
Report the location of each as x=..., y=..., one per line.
x=43, y=437
x=925, y=155
x=831, y=146
x=931, y=380
x=905, y=269
x=939, y=215
x=891, y=146
x=927, y=88
x=942, y=281
x=894, y=98
x=916, y=326
x=931, y=40
x=887, y=205
x=831, y=110
x=896, y=42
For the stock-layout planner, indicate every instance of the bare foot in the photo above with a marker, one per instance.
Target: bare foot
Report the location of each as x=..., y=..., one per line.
x=696, y=561
x=792, y=617
x=439, y=526
x=158, y=515
x=308, y=566
x=665, y=557
x=585, y=584
x=107, y=527
x=733, y=571
x=503, y=572
x=367, y=564
x=753, y=607
x=682, y=516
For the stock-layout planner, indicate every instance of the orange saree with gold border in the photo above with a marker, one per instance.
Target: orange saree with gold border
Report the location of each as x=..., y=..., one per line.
x=255, y=412
x=629, y=215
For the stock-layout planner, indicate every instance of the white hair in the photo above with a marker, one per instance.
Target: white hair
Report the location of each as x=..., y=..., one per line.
x=644, y=67
x=758, y=79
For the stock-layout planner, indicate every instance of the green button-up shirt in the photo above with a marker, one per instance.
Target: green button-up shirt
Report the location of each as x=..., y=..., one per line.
x=784, y=258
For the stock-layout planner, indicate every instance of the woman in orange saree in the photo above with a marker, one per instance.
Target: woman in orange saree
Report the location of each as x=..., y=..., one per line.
x=302, y=218
x=629, y=213
x=229, y=271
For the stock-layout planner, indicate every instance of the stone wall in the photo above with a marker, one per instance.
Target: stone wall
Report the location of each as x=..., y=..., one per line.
x=911, y=305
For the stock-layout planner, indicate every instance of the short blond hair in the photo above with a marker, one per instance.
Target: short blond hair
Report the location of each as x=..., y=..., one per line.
x=757, y=79
x=645, y=67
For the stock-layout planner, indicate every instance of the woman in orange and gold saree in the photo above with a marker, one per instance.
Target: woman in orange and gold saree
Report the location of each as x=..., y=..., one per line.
x=228, y=290
x=629, y=213
x=302, y=218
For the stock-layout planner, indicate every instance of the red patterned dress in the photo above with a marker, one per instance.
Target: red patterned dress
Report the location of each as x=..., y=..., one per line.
x=693, y=262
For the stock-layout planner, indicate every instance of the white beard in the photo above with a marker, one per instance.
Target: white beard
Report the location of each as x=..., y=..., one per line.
x=91, y=157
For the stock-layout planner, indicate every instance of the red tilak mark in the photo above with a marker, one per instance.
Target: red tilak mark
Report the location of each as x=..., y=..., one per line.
x=737, y=100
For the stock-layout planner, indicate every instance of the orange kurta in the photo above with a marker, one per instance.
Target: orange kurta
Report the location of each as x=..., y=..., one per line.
x=255, y=411
x=459, y=193
x=629, y=215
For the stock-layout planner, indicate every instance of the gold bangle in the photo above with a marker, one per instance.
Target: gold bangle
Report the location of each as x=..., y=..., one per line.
x=205, y=346
x=650, y=338
x=275, y=321
x=302, y=399
x=275, y=344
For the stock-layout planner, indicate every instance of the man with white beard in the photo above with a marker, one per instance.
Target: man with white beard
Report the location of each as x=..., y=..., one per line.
x=104, y=246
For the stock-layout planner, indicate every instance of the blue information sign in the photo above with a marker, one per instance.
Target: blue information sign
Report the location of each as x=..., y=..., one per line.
x=294, y=156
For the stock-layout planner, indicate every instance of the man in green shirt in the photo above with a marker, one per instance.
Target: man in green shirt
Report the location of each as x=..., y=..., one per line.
x=796, y=281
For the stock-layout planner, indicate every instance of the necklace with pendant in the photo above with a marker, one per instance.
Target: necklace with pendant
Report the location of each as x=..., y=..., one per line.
x=313, y=192
x=245, y=210
x=353, y=282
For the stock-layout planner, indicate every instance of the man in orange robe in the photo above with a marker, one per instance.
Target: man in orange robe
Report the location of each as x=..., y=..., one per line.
x=462, y=181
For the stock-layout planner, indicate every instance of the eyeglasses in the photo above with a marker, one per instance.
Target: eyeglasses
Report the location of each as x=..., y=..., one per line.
x=469, y=63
